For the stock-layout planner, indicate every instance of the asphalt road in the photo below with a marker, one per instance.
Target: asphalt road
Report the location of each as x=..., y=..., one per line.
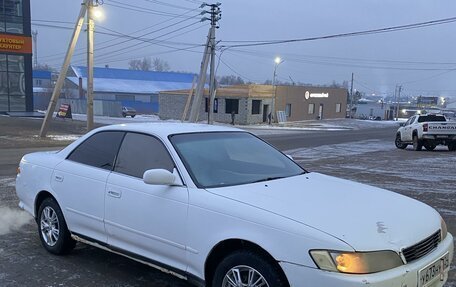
x=358, y=155
x=319, y=138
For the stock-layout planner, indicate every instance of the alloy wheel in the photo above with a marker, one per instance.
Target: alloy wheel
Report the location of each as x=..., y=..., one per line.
x=49, y=226
x=244, y=276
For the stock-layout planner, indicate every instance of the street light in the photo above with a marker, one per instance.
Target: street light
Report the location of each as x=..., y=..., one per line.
x=98, y=13
x=277, y=62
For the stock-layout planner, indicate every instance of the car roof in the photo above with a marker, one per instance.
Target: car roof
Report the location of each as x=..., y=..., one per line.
x=166, y=129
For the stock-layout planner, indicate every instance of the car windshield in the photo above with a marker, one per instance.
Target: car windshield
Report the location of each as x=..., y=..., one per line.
x=218, y=159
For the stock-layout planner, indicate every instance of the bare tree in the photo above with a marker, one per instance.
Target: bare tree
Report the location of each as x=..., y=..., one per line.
x=160, y=65
x=231, y=80
x=143, y=65
x=44, y=67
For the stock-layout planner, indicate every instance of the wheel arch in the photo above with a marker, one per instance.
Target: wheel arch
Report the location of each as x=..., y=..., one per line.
x=40, y=197
x=228, y=246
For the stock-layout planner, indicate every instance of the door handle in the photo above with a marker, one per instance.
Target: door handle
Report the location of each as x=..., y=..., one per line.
x=116, y=194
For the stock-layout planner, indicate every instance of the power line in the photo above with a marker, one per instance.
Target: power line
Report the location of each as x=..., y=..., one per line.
x=102, y=47
x=256, y=52
x=141, y=9
x=234, y=71
x=167, y=4
x=123, y=50
x=332, y=63
x=188, y=49
x=343, y=35
x=137, y=31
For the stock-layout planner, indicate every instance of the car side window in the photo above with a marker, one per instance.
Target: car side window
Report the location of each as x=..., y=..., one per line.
x=99, y=150
x=139, y=153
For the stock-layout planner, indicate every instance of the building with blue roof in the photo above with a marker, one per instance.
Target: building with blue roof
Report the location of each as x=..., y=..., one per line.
x=43, y=83
x=114, y=88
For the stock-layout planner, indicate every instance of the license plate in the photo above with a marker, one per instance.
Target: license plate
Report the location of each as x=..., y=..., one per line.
x=442, y=137
x=434, y=271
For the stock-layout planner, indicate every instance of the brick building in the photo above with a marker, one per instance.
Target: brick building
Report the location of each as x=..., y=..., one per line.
x=253, y=103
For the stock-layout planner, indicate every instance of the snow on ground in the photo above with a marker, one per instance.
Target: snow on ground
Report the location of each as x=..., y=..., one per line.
x=340, y=150
x=68, y=137
x=115, y=120
x=8, y=181
x=260, y=129
x=380, y=163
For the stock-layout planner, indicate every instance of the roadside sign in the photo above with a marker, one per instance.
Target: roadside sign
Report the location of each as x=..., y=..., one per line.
x=64, y=112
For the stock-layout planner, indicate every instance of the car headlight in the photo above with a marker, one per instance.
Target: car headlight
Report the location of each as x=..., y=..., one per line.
x=356, y=262
x=443, y=229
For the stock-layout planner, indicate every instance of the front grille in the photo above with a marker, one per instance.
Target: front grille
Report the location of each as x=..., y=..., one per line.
x=422, y=248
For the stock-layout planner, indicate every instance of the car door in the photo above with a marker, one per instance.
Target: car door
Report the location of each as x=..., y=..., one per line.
x=408, y=130
x=80, y=182
x=147, y=220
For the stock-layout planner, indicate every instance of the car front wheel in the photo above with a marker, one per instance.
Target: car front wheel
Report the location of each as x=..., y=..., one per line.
x=54, y=234
x=245, y=268
x=398, y=142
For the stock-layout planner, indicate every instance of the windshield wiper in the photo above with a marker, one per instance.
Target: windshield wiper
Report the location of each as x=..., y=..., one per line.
x=269, y=178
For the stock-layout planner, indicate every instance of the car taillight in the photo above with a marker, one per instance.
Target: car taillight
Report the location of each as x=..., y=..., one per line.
x=425, y=127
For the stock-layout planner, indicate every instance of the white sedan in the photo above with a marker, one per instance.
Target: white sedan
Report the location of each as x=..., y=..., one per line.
x=219, y=207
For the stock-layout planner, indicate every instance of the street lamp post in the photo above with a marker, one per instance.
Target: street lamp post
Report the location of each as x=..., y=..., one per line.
x=277, y=62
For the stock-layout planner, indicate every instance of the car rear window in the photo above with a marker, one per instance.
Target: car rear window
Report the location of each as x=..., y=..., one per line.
x=99, y=150
x=431, y=118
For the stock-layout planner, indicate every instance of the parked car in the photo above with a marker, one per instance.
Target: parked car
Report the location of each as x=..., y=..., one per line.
x=219, y=207
x=128, y=111
x=428, y=130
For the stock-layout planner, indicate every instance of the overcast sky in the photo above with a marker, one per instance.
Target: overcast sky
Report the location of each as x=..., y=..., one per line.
x=379, y=61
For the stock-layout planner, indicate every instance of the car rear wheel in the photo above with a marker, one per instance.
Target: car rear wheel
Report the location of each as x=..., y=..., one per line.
x=54, y=234
x=452, y=146
x=417, y=145
x=245, y=268
x=398, y=142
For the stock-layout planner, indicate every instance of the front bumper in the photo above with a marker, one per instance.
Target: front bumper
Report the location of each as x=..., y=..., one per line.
x=403, y=276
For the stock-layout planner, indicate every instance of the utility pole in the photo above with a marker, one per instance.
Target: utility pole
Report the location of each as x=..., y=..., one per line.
x=90, y=30
x=196, y=105
x=63, y=70
x=35, y=48
x=351, y=96
x=398, y=101
x=209, y=54
x=215, y=17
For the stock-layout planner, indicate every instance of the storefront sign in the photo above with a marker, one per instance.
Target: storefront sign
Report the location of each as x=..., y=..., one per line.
x=15, y=44
x=308, y=95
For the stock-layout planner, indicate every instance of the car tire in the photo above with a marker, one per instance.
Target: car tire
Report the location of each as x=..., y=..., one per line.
x=398, y=142
x=244, y=262
x=417, y=145
x=429, y=146
x=52, y=229
x=132, y=116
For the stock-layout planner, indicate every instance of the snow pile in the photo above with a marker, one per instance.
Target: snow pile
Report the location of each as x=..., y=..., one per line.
x=12, y=219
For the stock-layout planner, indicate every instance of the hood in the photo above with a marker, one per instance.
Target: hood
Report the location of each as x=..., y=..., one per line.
x=365, y=217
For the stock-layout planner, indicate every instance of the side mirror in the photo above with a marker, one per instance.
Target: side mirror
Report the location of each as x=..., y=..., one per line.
x=160, y=177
